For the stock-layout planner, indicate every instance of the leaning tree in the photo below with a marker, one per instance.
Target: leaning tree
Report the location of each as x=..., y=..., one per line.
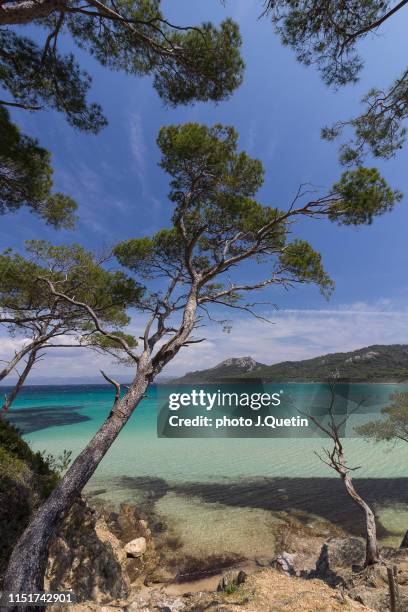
x=391, y=427
x=39, y=321
x=186, y=63
x=217, y=226
x=327, y=33
x=335, y=457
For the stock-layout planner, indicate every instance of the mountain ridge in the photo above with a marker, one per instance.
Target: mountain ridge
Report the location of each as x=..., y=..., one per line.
x=374, y=363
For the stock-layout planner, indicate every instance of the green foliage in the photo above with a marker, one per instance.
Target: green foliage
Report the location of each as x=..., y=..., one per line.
x=26, y=178
x=26, y=480
x=326, y=33
x=394, y=424
x=218, y=67
x=75, y=272
x=49, y=80
x=142, y=254
x=13, y=444
x=380, y=129
x=305, y=264
x=187, y=63
x=57, y=464
x=364, y=195
x=104, y=343
x=217, y=222
x=208, y=155
x=216, y=217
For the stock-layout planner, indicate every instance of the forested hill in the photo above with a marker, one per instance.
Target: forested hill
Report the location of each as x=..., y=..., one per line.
x=377, y=363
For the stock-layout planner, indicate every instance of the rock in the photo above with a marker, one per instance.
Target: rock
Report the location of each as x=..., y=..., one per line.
x=86, y=558
x=284, y=563
x=157, y=601
x=158, y=577
x=145, y=528
x=340, y=552
x=263, y=561
x=136, y=548
x=231, y=579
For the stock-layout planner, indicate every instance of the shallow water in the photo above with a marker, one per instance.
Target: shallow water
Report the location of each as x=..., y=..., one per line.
x=222, y=495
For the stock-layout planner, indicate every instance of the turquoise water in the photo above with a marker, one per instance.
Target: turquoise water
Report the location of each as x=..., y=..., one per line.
x=246, y=481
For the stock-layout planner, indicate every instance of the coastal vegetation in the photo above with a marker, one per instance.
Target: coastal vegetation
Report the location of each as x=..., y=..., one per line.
x=393, y=426
x=26, y=480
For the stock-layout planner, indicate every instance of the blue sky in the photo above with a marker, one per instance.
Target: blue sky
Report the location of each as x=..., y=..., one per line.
x=278, y=112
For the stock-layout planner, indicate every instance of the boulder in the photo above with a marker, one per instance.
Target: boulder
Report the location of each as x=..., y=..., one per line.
x=231, y=579
x=340, y=552
x=136, y=548
x=86, y=558
x=284, y=562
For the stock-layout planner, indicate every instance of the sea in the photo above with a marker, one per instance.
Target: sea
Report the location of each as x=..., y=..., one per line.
x=224, y=495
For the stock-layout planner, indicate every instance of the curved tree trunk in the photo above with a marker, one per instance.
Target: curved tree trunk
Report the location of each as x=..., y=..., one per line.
x=13, y=362
x=9, y=399
x=28, y=562
x=372, y=552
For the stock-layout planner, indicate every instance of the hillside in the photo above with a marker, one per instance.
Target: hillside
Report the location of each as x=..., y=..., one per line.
x=377, y=363
x=230, y=368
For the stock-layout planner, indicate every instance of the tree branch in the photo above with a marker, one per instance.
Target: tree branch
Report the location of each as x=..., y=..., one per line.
x=94, y=317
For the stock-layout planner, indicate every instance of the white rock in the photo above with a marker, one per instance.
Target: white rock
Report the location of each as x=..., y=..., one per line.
x=136, y=547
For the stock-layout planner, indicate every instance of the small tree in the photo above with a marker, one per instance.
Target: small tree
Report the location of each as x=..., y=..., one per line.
x=217, y=225
x=393, y=427
x=327, y=34
x=29, y=309
x=336, y=459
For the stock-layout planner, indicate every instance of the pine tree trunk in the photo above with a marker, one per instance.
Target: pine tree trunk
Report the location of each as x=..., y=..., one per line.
x=28, y=562
x=372, y=552
x=9, y=399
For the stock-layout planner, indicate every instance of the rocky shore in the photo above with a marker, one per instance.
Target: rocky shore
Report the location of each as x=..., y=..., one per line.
x=115, y=560
x=127, y=558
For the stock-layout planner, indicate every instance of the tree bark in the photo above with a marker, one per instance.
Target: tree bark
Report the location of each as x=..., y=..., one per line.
x=13, y=362
x=34, y=344
x=28, y=562
x=25, y=11
x=372, y=552
x=9, y=399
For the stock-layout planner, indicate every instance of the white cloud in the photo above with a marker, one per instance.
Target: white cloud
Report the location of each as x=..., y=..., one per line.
x=138, y=148
x=294, y=335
